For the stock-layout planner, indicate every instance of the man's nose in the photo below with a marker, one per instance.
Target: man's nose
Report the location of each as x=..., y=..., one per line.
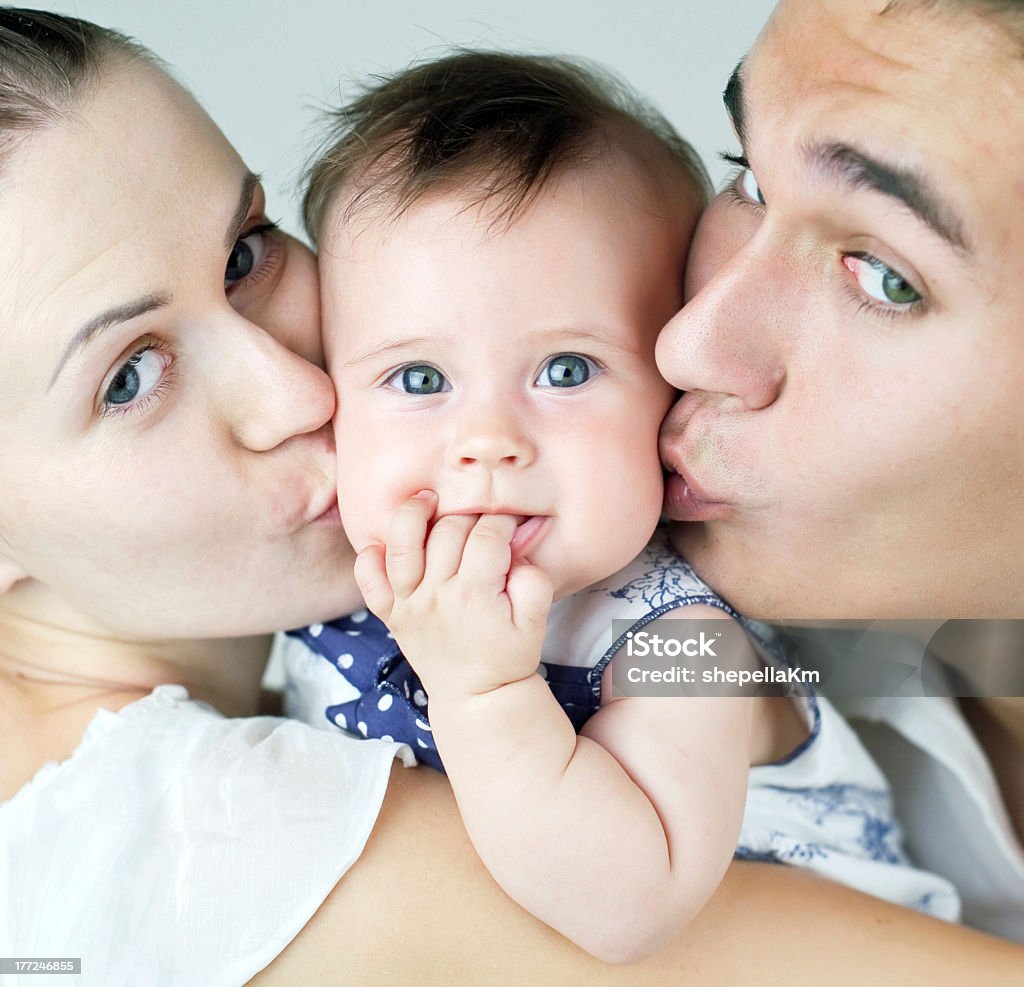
x=727, y=339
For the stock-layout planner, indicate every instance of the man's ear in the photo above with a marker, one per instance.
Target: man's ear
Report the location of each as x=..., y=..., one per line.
x=10, y=573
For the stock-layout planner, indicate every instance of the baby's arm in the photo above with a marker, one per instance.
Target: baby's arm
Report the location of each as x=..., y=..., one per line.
x=616, y=838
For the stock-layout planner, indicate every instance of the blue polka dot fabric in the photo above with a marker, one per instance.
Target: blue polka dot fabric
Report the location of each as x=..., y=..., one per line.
x=392, y=704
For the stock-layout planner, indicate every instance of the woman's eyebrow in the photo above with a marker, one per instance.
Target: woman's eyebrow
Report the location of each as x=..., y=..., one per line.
x=105, y=320
x=248, y=191
x=132, y=310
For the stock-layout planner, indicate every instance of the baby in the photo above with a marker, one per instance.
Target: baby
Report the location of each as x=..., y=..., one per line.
x=502, y=237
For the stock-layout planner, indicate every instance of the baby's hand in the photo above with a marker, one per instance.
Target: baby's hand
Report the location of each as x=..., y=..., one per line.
x=467, y=618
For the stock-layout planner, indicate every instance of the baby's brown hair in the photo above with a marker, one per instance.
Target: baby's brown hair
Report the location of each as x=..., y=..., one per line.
x=495, y=123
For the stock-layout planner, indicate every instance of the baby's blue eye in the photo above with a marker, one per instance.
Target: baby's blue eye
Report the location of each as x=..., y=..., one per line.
x=419, y=378
x=566, y=370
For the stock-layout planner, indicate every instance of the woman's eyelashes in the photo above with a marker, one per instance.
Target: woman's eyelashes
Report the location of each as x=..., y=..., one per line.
x=147, y=375
x=140, y=381
x=253, y=256
x=562, y=371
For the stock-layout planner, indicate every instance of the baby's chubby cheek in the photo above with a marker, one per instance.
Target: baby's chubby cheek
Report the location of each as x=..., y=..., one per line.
x=362, y=526
x=368, y=493
x=363, y=514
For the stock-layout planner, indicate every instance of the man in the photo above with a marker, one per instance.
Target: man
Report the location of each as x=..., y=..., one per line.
x=851, y=443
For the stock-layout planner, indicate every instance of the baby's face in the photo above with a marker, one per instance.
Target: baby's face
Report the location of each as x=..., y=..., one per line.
x=510, y=368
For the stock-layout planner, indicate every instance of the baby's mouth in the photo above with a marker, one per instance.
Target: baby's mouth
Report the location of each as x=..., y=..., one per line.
x=529, y=531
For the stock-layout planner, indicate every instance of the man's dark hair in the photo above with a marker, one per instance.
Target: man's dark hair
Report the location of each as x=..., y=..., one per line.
x=498, y=124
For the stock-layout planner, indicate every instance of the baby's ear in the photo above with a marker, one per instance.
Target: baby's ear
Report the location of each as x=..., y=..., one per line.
x=10, y=573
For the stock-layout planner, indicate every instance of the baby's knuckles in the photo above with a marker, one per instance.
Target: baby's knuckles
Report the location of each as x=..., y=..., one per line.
x=437, y=628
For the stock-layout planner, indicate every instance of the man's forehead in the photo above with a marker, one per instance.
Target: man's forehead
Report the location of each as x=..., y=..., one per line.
x=876, y=44
x=920, y=105
x=922, y=87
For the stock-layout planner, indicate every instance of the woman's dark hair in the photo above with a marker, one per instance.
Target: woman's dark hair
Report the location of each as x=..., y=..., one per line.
x=46, y=61
x=499, y=123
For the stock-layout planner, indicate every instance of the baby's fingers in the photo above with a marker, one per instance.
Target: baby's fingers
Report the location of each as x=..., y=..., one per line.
x=445, y=547
x=488, y=553
x=373, y=581
x=530, y=592
x=407, y=534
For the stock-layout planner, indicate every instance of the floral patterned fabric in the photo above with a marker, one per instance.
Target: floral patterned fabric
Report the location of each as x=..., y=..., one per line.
x=825, y=806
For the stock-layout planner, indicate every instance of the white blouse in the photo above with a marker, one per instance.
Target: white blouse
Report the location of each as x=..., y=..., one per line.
x=177, y=846
x=949, y=802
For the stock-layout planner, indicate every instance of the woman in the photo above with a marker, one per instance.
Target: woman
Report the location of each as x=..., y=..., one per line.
x=166, y=499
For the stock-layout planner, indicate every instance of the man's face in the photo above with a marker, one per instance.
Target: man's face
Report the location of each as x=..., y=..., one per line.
x=853, y=346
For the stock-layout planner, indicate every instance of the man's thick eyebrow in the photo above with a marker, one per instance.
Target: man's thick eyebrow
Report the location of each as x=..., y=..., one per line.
x=249, y=183
x=907, y=186
x=105, y=320
x=733, y=98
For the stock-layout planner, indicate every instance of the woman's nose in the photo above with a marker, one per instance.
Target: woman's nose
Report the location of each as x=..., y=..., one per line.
x=726, y=340
x=491, y=437
x=274, y=394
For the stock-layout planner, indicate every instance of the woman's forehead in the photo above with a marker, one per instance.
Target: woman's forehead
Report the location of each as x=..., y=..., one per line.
x=114, y=202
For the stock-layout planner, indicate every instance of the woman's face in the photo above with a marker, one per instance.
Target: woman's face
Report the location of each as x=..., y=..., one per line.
x=168, y=465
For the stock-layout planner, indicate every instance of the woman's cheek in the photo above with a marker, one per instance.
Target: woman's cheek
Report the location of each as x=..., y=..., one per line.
x=289, y=309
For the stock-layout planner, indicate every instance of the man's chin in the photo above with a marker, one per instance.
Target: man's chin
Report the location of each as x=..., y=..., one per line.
x=702, y=547
x=727, y=566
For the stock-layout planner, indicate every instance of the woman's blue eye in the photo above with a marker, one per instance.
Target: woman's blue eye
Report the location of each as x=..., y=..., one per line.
x=566, y=370
x=247, y=254
x=419, y=378
x=136, y=377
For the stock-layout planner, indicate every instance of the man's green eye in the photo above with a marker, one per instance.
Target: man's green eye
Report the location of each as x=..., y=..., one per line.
x=881, y=283
x=897, y=289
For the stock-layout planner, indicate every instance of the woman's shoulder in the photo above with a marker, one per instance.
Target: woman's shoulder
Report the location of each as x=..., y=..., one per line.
x=42, y=723
x=167, y=809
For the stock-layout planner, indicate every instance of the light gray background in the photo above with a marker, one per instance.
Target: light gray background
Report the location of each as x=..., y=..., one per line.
x=264, y=68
